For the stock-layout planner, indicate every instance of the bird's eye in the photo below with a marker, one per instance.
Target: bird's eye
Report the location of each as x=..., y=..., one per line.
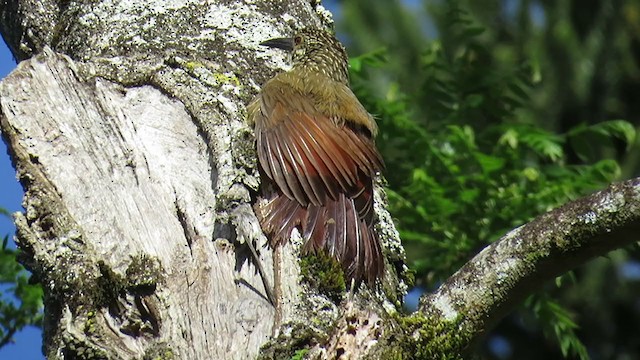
x=297, y=40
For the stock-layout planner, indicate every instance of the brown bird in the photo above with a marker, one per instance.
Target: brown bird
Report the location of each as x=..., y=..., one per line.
x=314, y=142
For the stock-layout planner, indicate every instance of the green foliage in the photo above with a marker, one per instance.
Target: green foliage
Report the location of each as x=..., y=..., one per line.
x=558, y=325
x=471, y=169
x=20, y=302
x=467, y=159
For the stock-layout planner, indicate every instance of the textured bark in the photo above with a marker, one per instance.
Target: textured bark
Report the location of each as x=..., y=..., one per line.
x=496, y=280
x=127, y=130
x=126, y=126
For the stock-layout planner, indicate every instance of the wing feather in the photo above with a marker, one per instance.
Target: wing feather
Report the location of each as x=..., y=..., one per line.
x=323, y=168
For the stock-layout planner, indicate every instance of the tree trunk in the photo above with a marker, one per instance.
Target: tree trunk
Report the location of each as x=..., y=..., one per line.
x=126, y=125
x=125, y=122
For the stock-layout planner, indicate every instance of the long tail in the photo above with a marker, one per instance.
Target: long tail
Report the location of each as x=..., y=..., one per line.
x=336, y=227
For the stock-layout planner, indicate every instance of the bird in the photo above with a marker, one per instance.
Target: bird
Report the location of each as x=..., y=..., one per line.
x=317, y=156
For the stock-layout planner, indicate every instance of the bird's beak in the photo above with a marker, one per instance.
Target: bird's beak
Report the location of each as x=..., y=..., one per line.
x=280, y=43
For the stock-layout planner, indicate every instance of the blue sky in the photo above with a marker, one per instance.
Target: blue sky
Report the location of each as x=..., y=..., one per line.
x=28, y=343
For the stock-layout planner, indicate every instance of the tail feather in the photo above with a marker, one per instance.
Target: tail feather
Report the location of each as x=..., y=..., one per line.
x=336, y=227
x=279, y=216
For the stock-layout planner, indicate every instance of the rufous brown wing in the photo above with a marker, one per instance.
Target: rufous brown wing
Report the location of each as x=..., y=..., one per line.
x=323, y=170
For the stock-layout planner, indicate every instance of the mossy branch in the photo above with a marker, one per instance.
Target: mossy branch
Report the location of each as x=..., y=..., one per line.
x=496, y=280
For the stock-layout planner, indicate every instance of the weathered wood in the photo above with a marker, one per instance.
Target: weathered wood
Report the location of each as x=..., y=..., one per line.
x=131, y=173
x=138, y=169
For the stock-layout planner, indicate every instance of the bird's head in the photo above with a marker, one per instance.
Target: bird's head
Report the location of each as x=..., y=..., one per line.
x=315, y=50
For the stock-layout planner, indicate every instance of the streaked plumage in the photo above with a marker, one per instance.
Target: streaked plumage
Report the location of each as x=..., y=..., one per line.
x=314, y=141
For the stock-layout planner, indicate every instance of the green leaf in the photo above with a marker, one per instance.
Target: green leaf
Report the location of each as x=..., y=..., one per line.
x=473, y=31
x=510, y=138
x=520, y=91
x=489, y=163
x=544, y=143
x=474, y=100
x=617, y=128
x=375, y=58
x=20, y=302
x=469, y=195
x=531, y=174
x=558, y=324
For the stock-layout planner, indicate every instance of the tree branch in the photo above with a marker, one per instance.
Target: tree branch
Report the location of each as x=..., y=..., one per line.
x=8, y=336
x=496, y=280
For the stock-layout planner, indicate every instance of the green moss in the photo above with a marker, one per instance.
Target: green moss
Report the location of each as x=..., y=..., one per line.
x=108, y=288
x=299, y=355
x=324, y=273
x=533, y=257
x=142, y=277
x=435, y=339
x=191, y=66
x=81, y=350
x=159, y=351
x=90, y=323
x=291, y=344
x=220, y=78
x=394, y=288
x=227, y=78
x=143, y=274
x=409, y=277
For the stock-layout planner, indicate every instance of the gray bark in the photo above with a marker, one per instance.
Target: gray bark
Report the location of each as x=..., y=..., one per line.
x=499, y=278
x=126, y=125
